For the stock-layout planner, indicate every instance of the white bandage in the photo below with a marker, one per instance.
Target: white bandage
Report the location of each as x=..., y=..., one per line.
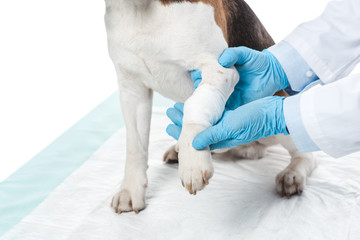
x=205, y=106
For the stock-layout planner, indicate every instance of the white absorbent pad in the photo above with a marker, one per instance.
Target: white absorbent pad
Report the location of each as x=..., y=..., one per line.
x=239, y=203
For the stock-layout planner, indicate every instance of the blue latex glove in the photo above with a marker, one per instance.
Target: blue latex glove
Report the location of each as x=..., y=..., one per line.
x=176, y=115
x=250, y=122
x=261, y=75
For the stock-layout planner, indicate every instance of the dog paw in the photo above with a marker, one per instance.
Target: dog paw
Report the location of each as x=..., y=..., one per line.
x=289, y=182
x=252, y=150
x=131, y=197
x=171, y=156
x=195, y=170
x=195, y=167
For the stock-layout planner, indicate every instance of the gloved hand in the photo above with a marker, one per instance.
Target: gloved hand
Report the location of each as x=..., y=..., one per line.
x=252, y=121
x=261, y=75
x=176, y=115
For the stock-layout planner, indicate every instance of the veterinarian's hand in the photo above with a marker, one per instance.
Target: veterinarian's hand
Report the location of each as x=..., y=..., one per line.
x=252, y=121
x=176, y=116
x=258, y=119
x=261, y=74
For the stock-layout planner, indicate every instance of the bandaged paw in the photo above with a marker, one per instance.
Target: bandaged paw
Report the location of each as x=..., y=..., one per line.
x=207, y=104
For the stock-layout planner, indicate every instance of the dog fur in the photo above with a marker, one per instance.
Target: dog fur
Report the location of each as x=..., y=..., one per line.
x=154, y=45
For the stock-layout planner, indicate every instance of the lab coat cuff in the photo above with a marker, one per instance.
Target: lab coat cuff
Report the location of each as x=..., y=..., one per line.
x=297, y=39
x=297, y=70
x=295, y=125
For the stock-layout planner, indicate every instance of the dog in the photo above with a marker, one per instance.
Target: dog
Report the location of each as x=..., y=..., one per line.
x=154, y=44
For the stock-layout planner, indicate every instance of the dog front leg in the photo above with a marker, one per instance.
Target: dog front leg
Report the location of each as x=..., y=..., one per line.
x=136, y=103
x=202, y=110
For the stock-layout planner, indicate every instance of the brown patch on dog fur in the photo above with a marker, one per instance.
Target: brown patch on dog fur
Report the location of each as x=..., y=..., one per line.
x=244, y=27
x=239, y=24
x=219, y=11
x=281, y=93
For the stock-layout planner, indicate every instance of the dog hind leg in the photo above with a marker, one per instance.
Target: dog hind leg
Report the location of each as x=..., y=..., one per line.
x=293, y=178
x=171, y=156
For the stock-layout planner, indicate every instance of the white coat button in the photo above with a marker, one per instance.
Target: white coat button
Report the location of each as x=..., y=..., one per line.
x=309, y=73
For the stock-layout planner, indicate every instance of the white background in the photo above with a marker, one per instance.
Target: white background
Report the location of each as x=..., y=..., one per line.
x=54, y=66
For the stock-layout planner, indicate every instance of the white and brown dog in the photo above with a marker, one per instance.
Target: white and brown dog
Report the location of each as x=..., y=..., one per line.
x=153, y=45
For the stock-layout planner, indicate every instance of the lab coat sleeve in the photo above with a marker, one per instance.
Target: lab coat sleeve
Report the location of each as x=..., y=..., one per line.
x=326, y=116
x=330, y=44
x=296, y=68
x=329, y=117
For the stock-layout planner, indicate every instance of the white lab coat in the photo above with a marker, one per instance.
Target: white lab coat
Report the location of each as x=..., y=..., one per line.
x=330, y=45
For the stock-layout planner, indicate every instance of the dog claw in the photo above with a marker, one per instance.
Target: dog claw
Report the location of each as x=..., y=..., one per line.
x=299, y=192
